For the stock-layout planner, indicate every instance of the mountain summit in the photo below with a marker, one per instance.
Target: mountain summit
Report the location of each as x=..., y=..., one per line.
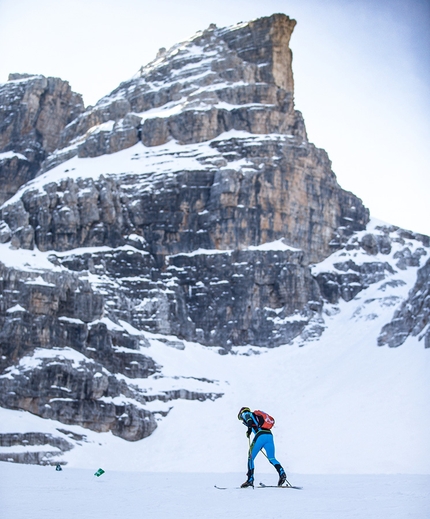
x=187, y=205
x=225, y=99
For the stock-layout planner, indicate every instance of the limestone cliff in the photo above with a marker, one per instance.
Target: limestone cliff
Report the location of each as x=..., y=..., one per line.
x=34, y=110
x=264, y=183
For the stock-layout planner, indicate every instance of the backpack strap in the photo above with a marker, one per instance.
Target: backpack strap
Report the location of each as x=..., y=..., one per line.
x=250, y=420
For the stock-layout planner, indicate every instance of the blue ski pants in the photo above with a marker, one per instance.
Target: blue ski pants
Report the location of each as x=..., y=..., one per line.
x=262, y=441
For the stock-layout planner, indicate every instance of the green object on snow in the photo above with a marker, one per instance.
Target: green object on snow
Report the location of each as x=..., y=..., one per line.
x=99, y=473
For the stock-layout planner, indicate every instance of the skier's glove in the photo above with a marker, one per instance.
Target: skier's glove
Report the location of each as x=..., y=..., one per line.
x=248, y=432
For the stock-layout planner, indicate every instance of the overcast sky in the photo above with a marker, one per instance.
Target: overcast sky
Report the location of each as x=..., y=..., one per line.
x=361, y=68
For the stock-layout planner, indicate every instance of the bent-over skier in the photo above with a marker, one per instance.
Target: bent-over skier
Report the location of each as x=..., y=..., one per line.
x=260, y=424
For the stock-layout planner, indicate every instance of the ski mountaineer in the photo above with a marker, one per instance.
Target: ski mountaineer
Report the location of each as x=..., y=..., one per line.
x=263, y=439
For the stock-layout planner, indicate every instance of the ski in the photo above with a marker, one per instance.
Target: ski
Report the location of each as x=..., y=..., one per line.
x=262, y=485
x=231, y=488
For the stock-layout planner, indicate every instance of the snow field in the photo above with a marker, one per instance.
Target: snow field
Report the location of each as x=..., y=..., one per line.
x=44, y=493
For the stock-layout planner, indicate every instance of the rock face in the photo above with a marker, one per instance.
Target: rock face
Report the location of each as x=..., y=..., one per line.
x=187, y=205
x=51, y=447
x=81, y=359
x=382, y=258
x=282, y=191
x=380, y=254
x=413, y=317
x=239, y=77
x=257, y=175
x=34, y=110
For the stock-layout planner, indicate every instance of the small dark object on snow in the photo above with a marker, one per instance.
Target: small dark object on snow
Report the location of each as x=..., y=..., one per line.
x=58, y=467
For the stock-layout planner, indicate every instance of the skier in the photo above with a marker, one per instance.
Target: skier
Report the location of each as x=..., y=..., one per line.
x=260, y=423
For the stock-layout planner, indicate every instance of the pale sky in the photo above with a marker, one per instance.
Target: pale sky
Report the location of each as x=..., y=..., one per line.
x=361, y=69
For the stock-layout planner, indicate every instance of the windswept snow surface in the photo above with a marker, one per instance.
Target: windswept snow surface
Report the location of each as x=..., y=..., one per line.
x=43, y=493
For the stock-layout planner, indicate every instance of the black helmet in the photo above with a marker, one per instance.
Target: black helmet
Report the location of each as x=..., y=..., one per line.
x=242, y=410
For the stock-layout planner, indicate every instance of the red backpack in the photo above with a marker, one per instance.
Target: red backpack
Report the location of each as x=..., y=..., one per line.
x=269, y=421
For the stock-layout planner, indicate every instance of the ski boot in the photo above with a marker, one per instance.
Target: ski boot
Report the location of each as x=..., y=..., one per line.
x=282, y=475
x=250, y=481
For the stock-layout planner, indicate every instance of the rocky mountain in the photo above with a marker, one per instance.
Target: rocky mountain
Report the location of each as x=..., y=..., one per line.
x=34, y=110
x=187, y=206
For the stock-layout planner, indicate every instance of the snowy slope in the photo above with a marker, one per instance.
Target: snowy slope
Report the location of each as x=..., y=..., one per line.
x=342, y=404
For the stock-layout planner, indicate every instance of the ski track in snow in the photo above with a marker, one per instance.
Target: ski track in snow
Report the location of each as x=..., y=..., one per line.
x=44, y=493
